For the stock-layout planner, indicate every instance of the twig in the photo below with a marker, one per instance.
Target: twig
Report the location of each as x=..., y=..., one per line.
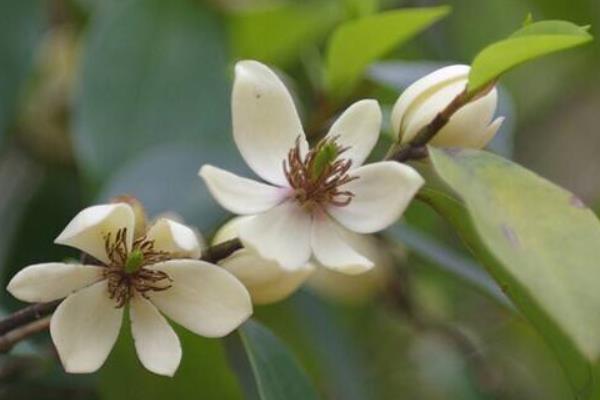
x=13, y=337
x=220, y=251
x=26, y=315
x=14, y=325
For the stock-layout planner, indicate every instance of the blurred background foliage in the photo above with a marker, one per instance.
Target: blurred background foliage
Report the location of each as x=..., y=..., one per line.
x=100, y=98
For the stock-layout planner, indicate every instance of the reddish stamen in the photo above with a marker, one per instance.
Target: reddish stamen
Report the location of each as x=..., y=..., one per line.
x=325, y=188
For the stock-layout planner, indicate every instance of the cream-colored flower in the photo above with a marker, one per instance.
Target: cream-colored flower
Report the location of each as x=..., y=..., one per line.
x=311, y=195
x=266, y=280
x=154, y=274
x=471, y=126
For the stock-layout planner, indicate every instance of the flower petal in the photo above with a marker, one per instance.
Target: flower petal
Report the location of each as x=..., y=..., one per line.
x=241, y=195
x=85, y=327
x=175, y=238
x=267, y=281
x=266, y=124
x=358, y=129
x=488, y=134
x=281, y=234
x=51, y=281
x=381, y=194
x=356, y=289
x=156, y=343
x=87, y=231
x=332, y=251
x=204, y=298
x=468, y=124
x=421, y=89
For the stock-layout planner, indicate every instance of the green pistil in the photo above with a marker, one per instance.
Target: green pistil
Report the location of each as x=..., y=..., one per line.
x=134, y=261
x=325, y=156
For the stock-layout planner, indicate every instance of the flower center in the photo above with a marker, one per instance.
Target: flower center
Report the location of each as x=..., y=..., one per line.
x=317, y=178
x=126, y=270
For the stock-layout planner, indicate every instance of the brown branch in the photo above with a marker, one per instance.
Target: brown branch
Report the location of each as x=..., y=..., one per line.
x=14, y=325
x=10, y=339
x=26, y=315
x=220, y=251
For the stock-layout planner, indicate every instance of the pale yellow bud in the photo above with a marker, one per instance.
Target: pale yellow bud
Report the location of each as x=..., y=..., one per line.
x=266, y=280
x=471, y=126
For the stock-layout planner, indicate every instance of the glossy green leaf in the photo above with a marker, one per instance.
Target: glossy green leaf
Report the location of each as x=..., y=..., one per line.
x=154, y=72
x=277, y=374
x=356, y=44
x=20, y=31
x=539, y=242
x=278, y=35
x=528, y=43
x=203, y=373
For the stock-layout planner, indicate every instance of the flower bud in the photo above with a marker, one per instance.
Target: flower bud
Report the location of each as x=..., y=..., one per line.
x=141, y=219
x=471, y=126
x=266, y=280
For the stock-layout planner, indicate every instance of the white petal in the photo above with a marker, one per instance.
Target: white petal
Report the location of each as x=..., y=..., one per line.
x=422, y=88
x=358, y=129
x=156, y=343
x=425, y=111
x=175, y=238
x=468, y=124
x=332, y=251
x=265, y=121
x=85, y=327
x=87, y=231
x=381, y=194
x=241, y=195
x=489, y=134
x=204, y=298
x=281, y=234
x=267, y=281
x=51, y=281
x=230, y=229
x=356, y=289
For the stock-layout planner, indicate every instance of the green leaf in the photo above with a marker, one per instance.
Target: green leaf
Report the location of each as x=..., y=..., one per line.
x=356, y=44
x=153, y=72
x=20, y=30
x=528, y=43
x=203, y=373
x=538, y=241
x=279, y=35
x=277, y=374
x=361, y=8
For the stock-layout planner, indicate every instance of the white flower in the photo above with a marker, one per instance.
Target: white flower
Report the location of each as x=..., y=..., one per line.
x=310, y=195
x=266, y=280
x=157, y=271
x=471, y=126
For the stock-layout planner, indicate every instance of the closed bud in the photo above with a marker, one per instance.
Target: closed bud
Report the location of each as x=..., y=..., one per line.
x=266, y=280
x=471, y=126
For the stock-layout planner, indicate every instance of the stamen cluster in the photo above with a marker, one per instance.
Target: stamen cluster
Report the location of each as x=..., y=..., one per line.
x=126, y=273
x=317, y=178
